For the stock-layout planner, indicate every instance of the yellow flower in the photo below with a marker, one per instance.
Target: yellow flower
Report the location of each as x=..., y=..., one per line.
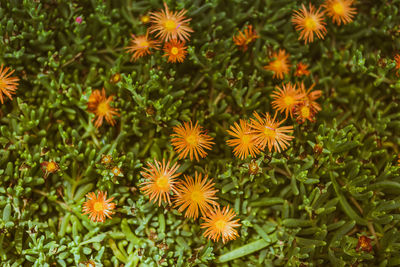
x=340, y=11
x=286, y=98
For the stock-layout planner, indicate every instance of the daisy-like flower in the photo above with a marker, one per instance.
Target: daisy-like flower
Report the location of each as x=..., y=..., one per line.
x=160, y=181
x=309, y=22
x=145, y=19
x=49, y=167
x=268, y=133
x=243, y=40
x=220, y=224
x=98, y=207
x=310, y=96
x=304, y=111
x=192, y=140
x=140, y=46
x=301, y=69
x=170, y=25
x=175, y=50
x=8, y=85
x=286, y=98
x=195, y=195
x=340, y=11
x=397, y=60
x=99, y=104
x=243, y=140
x=280, y=65
x=364, y=244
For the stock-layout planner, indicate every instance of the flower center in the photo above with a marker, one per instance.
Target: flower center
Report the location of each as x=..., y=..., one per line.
x=145, y=19
x=144, y=44
x=98, y=206
x=277, y=64
x=269, y=132
x=220, y=225
x=51, y=167
x=197, y=196
x=338, y=8
x=246, y=139
x=103, y=108
x=289, y=100
x=192, y=140
x=170, y=25
x=174, y=51
x=305, y=112
x=310, y=24
x=162, y=182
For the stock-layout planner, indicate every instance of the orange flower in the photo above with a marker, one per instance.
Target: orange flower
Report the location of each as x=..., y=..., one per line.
x=396, y=59
x=160, y=181
x=301, y=69
x=340, y=10
x=268, y=132
x=49, y=167
x=310, y=97
x=364, y=243
x=304, y=111
x=175, y=51
x=194, y=195
x=280, y=65
x=140, y=46
x=220, y=224
x=243, y=141
x=170, y=25
x=99, y=104
x=309, y=22
x=8, y=85
x=286, y=99
x=242, y=40
x=192, y=140
x=98, y=207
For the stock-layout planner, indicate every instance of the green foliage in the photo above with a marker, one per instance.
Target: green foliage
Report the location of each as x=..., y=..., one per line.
x=302, y=208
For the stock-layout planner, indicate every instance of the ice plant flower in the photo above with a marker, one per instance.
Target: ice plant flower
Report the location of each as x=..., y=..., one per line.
x=310, y=96
x=49, y=167
x=160, y=181
x=243, y=141
x=78, y=19
x=145, y=19
x=286, y=98
x=301, y=69
x=268, y=133
x=140, y=46
x=116, y=78
x=175, y=50
x=98, y=207
x=396, y=59
x=340, y=11
x=364, y=244
x=243, y=40
x=8, y=85
x=220, y=224
x=99, y=104
x=280, y=65
x=194, y=195
x=304, y=111
x=191, y=140
x=309, y=22
x=170, y=25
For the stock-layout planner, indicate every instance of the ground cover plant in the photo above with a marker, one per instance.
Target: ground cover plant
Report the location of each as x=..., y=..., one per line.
x=199, y=133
